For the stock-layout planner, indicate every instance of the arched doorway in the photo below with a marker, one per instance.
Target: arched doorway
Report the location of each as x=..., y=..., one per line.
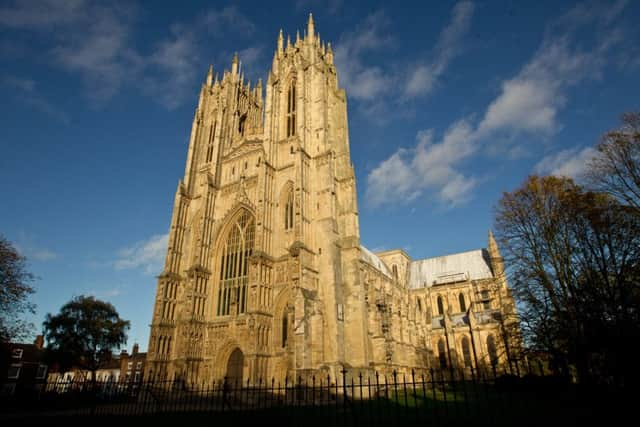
x=235, y=366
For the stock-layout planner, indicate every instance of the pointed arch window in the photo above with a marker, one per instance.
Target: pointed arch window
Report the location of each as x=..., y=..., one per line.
x=442, y=354
x=492, y=350
x=285, y=329
x=466, y=352
x=212, y=134
x=463, y=304
x=288, y=211
x=394, y=269
x=234, y=264
x=242, y=124
x=440, y=306
x=291, y=109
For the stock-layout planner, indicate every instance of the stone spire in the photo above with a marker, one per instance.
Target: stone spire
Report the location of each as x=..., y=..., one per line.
x=280, y=41
x=493, y=246
x=210, y=76
x=329, y=53
x=497, y=264
x=234, y=64
x=310, y=28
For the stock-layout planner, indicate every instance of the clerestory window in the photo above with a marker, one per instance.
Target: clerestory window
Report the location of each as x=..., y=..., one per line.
x=440, y=306
x=463, y=305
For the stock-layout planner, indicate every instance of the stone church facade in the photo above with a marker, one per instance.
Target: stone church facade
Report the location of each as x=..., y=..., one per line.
x=265, y=275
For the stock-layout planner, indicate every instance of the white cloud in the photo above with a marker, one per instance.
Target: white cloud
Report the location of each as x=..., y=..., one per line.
x=429, y=166
x=367, y=81
x=422, y=79
x=175, y=72
x=147, y=254
x=532, y=99
x=571, y=162
x=529, y=102
x=363, y=81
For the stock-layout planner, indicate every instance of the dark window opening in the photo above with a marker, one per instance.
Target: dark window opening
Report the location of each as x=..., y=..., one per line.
x=463, y=304
x=288, y=212
x=241, y=124
x=285, y=327
x=291, y=110
x=442, y=354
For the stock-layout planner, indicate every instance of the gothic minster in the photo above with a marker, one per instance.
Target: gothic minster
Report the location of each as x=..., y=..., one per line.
x=265, y=276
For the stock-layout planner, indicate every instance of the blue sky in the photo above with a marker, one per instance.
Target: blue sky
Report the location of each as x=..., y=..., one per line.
x=450, y=104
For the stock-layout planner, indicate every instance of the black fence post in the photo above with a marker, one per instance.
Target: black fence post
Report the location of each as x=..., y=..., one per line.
x=396, y=403
x=378, y=403
x=344, y=392
x=369, y=397
x=424, y=393
x=464, y=392
x=443, y=387
x=435, y=401
x=361, y=414
x=415, y=396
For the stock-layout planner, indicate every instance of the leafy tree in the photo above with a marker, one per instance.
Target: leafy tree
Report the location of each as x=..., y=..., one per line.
x=85, y=332
x=616, y=168
x=573, y=258
x=15, y=289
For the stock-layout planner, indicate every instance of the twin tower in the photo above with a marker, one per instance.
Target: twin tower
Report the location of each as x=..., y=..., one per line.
x=260, y=278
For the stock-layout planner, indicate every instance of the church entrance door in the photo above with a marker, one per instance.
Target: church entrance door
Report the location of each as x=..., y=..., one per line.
x=235, y=366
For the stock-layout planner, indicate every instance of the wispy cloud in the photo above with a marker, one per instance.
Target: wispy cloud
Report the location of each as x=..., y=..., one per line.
x=531, y=100
x=527, y=103
x=571, y=162
x=28, y=247
x=369, y=81
x=174, y=68
x=422, y=79
x=362, y=80
x=147, y=255
x=41, y=14
x=219, y=20
x=27, y=94
x=250, y=55
x=95, y=41
x=105, y=293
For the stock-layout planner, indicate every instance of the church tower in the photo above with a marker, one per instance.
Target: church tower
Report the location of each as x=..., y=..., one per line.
x=261, y=277
x=265, y=275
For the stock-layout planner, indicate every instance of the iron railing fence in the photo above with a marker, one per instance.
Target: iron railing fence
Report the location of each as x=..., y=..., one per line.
x=431, y=397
